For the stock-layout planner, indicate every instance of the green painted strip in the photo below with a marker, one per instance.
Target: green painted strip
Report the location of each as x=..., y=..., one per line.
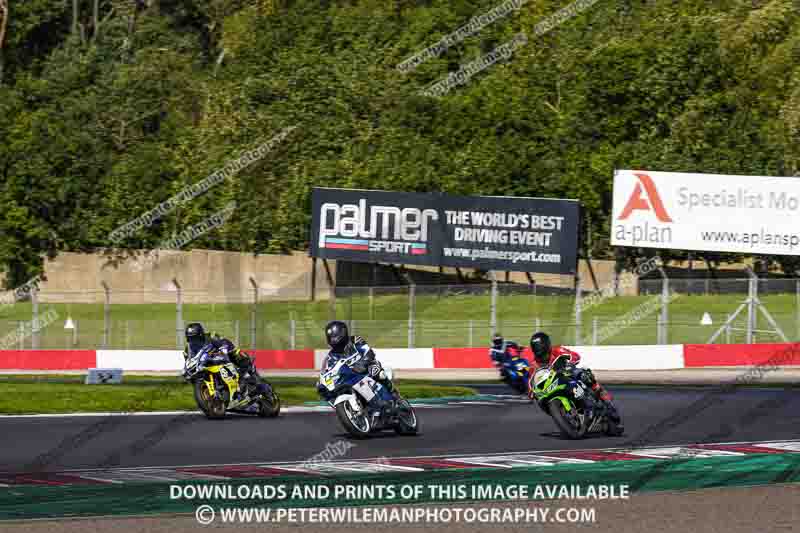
x=643, y=475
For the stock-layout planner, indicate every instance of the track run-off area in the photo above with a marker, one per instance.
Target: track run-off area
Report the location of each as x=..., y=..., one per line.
x=681, y=438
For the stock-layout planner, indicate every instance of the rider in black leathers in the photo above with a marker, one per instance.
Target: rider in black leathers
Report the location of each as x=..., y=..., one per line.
x=343, y=345
x=197, y=338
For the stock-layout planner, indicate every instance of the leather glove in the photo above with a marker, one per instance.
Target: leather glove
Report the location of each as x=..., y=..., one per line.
x=375, y=371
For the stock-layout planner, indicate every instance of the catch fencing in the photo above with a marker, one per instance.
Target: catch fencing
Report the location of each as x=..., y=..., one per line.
x=661, y=311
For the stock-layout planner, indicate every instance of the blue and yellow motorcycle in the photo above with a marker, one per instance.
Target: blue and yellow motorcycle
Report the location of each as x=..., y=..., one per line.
x=217, y=390
x=514, y=369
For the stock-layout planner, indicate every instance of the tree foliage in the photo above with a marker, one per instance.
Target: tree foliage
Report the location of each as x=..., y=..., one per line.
x=109, y=107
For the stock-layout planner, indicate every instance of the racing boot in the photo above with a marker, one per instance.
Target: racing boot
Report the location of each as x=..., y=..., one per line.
x=605, y=398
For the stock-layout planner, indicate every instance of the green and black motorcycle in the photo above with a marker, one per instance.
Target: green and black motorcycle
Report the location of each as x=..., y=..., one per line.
x=570, y=403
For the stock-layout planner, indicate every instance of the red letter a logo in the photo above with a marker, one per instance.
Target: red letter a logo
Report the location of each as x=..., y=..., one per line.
x=636, y=202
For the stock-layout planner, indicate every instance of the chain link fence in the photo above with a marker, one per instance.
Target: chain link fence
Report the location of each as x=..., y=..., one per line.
x=664, y=311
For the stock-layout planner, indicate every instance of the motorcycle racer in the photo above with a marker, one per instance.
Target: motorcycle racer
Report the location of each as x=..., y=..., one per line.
x=513, y=368
x=502, y=350
x=544, y=354
x=197, y=338
x=342, y=346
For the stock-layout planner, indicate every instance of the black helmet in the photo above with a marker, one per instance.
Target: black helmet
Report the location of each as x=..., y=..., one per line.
x=337, y=335
x=540, y=346
x=195, y=336
x=497, y=341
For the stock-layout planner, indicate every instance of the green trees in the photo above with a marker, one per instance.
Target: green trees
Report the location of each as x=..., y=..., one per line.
x=106, y=113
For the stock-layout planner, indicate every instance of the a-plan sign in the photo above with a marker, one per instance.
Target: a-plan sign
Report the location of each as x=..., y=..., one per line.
x=707, y=212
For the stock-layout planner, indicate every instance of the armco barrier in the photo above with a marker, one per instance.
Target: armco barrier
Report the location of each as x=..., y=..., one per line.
x=283, y=359
x=644, y=357
x=700, y=355
x=133, y=360
x=658, y=357
x=46, y=359
x=461, y=358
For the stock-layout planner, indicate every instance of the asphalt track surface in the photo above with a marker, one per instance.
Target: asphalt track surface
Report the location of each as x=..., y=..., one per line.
x=653, y=416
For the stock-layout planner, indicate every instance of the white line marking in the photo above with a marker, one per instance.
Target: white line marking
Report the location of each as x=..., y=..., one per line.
x=288, y=410
x=289, y=465
x=101, y=479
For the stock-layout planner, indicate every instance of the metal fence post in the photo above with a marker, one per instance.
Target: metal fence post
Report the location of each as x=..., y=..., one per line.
x=659, y=329
x=35, y=323
x=663, y=331
x=106, y=314
x=292, y=334
x=471, y=333
x=75, y=334
x=594, y=331
x=493, y=306
x=236, y=332
x=412, y=288
x=752, y=289
x=253, y=313
x=178, y=314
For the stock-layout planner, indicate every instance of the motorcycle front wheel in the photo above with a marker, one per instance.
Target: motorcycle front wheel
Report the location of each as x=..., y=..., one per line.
x=568, y=423
x=357, y=423
x=213, y=408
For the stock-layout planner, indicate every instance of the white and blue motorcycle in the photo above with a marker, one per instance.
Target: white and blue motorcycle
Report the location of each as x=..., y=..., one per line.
x=363, y=405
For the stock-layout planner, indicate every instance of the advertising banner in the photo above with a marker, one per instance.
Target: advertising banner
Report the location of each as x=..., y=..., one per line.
x=707, y=212
x=484, y=232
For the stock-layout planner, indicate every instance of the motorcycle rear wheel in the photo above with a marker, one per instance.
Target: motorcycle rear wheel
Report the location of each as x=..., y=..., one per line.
x=269, y=407
x=407, y=421
x=613, y=429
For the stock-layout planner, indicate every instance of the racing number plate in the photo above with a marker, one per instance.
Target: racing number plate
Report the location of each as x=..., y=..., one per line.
x=365, y=388
x=327, y=380
x=227, y=373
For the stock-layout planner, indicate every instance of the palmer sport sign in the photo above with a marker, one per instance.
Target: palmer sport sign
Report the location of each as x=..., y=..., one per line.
x=485, y=232
x=707, y=212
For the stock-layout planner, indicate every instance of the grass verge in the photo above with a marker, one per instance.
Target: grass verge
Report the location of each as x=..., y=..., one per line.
x=50, y=394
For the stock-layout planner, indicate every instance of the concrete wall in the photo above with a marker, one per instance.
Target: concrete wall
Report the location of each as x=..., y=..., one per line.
x=204, y=276
x=224, y=277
